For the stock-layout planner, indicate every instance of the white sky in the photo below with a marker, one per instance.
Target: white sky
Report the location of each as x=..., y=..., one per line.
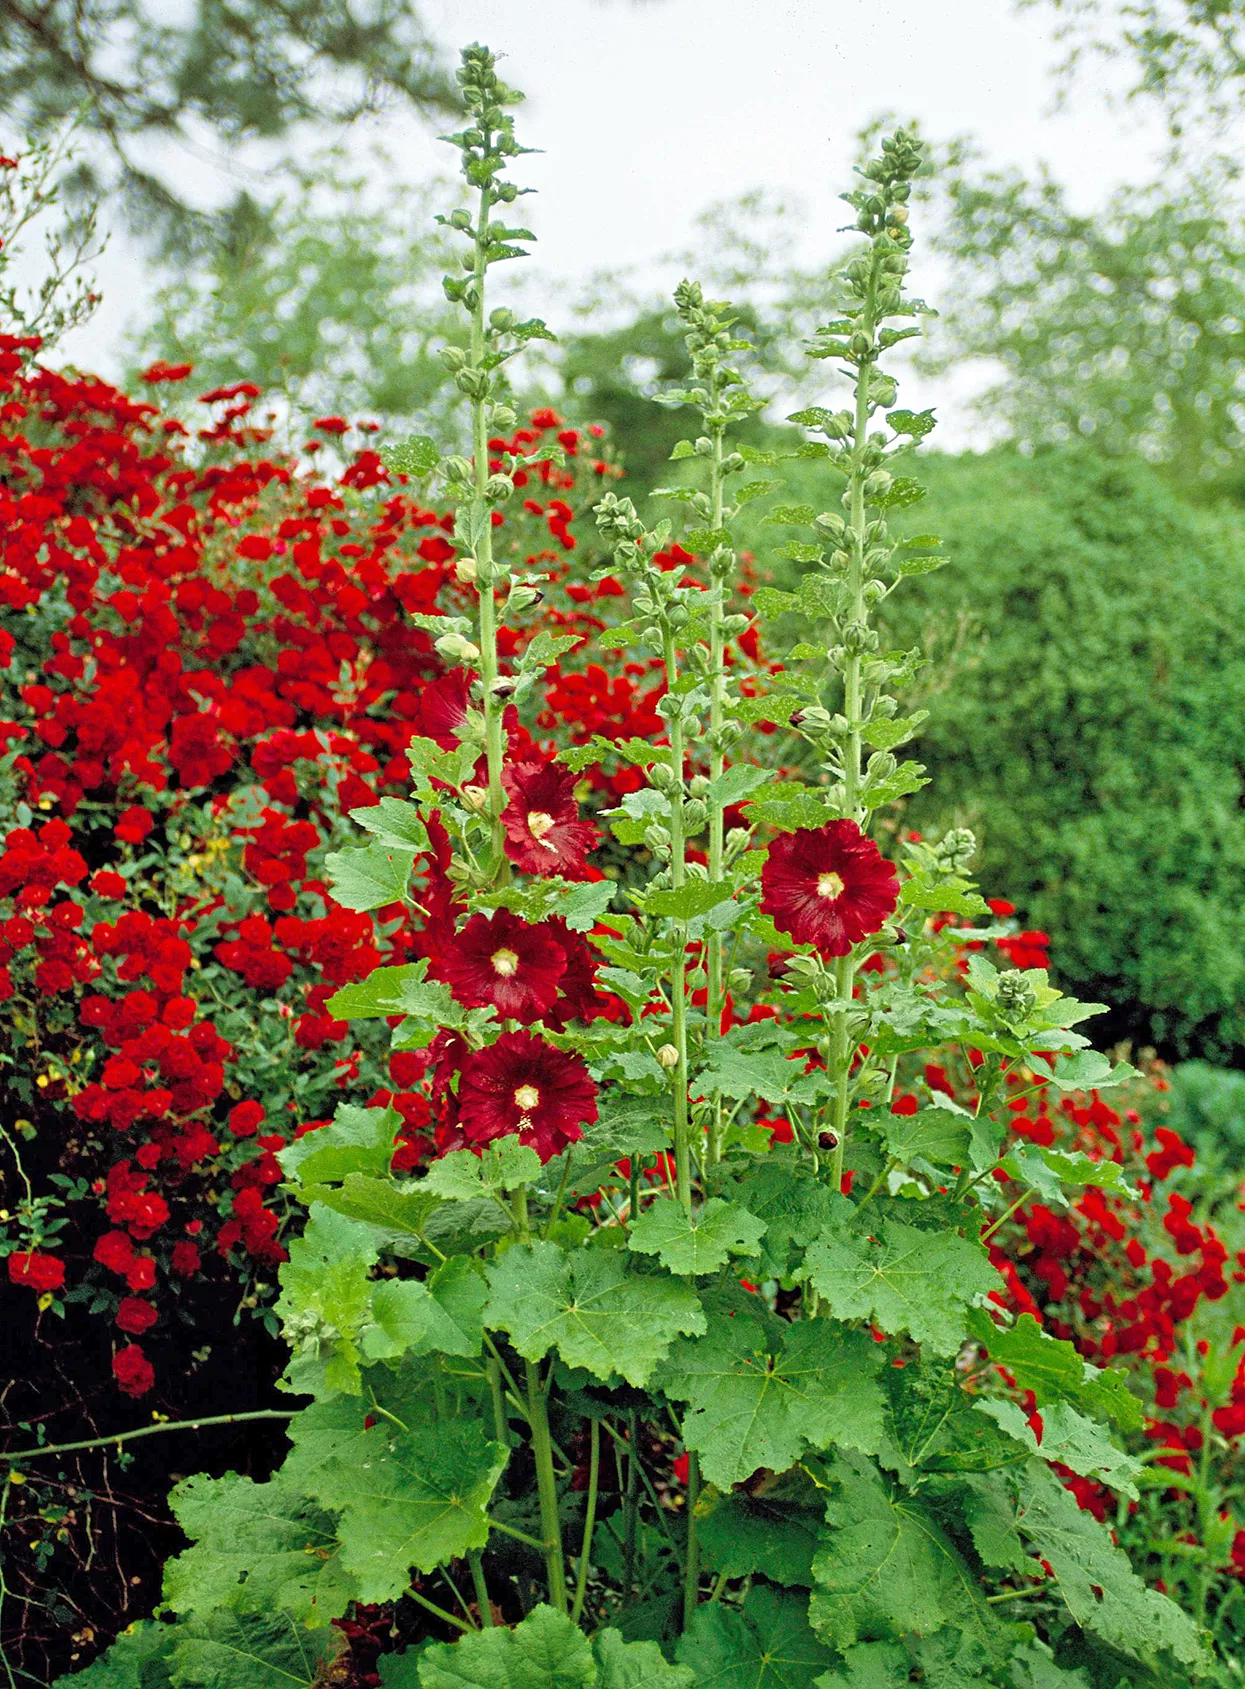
x=648, y=111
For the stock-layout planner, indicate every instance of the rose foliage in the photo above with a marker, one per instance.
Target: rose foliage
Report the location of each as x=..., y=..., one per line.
x=707, y=1272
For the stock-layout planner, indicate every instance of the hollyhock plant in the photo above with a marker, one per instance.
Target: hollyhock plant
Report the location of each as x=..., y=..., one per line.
x=544, y=833
x=828, y=886
x=506, y=962
x=522, y=1085
x=666, y=1294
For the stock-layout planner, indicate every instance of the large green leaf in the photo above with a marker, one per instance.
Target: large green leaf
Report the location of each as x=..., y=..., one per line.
x=257, y=1548
x=886, y=1567
x=356, y=1140
x=396, y=1207
x=794, y=1205
x=699, y=1241
x=369, y=876
x=759, y=1397
x=501, y=1166
x=418, y=1499
x=1071, y=1440
x=325, y=1294
x=398, y=991
x=1102, y=1591
x=935, y=1134
x=773, y=1531
x=765, y=1645
x=546, y=1651
x=138, y=1659
x=635, y=1665
x=252, y=1651
x=592, y=1306
x=1053, y=1370
x=442, y=1316
x=919, y=1282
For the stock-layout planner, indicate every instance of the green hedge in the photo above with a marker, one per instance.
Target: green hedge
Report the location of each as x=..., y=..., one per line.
x=1094, y=733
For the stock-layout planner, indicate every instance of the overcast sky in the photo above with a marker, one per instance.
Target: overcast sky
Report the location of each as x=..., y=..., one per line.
x=646, y=112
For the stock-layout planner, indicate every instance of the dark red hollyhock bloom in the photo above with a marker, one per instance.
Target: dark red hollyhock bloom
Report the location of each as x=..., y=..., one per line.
x=506, y=962
x=544, y=834
x=521, y=1084
x=828, y=886
x=577, y=989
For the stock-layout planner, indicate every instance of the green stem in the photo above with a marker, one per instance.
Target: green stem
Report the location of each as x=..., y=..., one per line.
x=492, y=704
x=631, y=1500
x=715, y=997
x=546, y=1484
x=14, y=1455
x=678, y=982
x=691, y=1564
x=481, y=1588
x=501, y=1422
x=440, y=1612
x=513, y=1531
x=590, y=1519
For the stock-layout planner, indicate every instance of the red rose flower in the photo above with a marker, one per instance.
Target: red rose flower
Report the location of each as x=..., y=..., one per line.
x=828, y=886
x=40, y=1272
x=133, y=825
x=521, y=1084
x=544, y=834
x=246, y=1118
x=507, y=962
x=132, y=1370
x=135, y=1316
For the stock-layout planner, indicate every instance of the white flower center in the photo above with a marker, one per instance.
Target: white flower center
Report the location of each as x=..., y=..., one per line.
x=830, y=885
x=505, y=963
x=526, y=1098
x=538, y=824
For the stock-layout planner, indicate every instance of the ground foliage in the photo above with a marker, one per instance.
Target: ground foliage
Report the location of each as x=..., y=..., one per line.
x=519, y=1276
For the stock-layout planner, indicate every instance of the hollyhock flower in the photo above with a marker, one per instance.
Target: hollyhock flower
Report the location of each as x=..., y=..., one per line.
x=577, y=990
x=132, y=1370
x=828, y=886
x=41, y=1272
x=504, y=961
x=544, y=834
x=521, y=1084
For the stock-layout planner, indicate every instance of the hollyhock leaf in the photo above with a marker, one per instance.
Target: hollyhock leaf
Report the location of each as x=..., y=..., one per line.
x=990, y=1512
x=884, y=734
x=1069, y=1439
x=580, y=903
x=505, y=1164
x=370, y=876
x=774, y=1531
x=1101, y=1590
x=879, y=1665
x=417, y=1500
x=394, y=822
x=547, y=647
x=914, y=423
x=1053, y=1370
x=397, y=991
x=919, y=1282
x=598, y=1313
x=356, y=1140
x=138, y=1659
x=227, y=1650
x=684, y=903
x=756, y=1398
x=903, y=491
x=395, y=1209
x=934, y=1134
x=791, y=515
x=737, y=782
x=325, y=1293
x=794, y=1205
x=410, y=1319
x=429, y=762
x=1089, y=1070
x=794, y=810
x=766, y=1644
x=635, y=1665
x=887, y=1567
x=698, y=1242
x=682, y=449
x=546, y=1651
x=418, y=455
x=764, y=1073
x=256, y=1548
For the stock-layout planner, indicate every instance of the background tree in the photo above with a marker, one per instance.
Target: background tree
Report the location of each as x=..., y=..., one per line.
x=243, y=70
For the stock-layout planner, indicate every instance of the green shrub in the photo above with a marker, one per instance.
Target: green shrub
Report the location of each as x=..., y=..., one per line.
x=1206, y=1105
x=1095, y=734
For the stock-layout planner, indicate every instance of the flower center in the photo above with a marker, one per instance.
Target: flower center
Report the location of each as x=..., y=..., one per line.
x=505, y=963
x=538, y=824
x=830, y=885
x=526, y=1098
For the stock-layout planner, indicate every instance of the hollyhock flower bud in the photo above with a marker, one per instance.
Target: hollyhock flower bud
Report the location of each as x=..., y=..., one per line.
x=668, y=1056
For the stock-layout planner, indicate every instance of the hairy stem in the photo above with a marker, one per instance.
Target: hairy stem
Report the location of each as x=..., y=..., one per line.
x=547, y=1488
x=691, y=1564
x=678, y=983
x=590, y=1518
x=716, y=994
